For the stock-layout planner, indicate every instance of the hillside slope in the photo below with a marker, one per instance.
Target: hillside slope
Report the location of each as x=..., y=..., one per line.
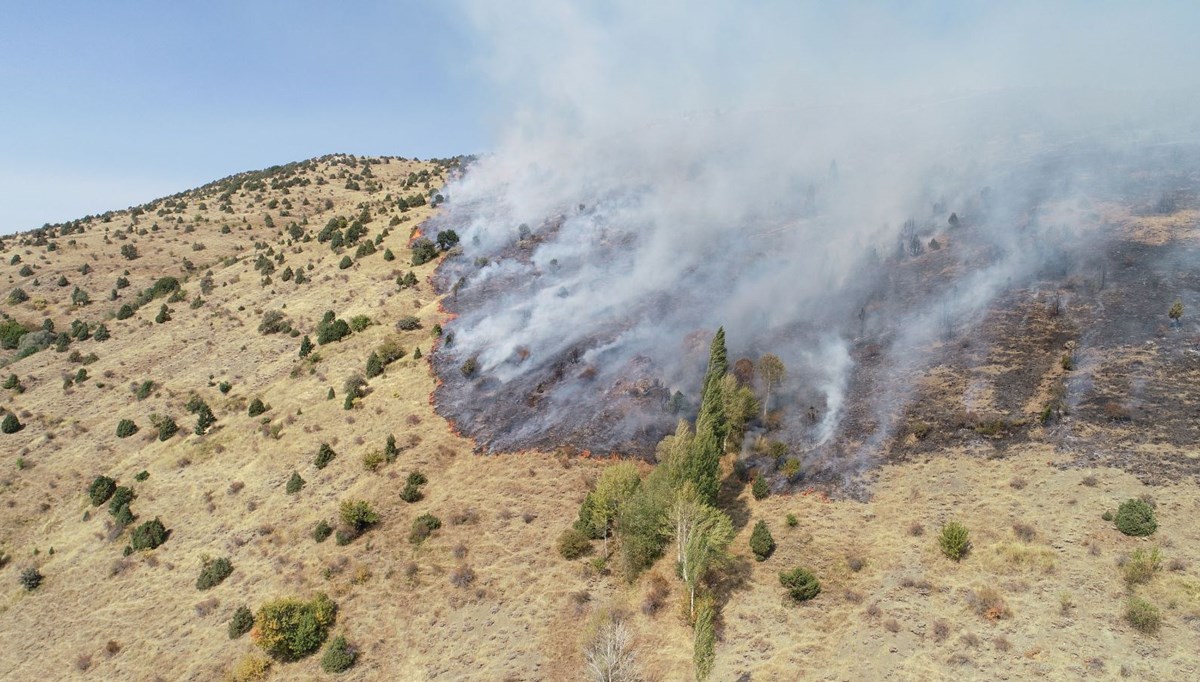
x=486, y=597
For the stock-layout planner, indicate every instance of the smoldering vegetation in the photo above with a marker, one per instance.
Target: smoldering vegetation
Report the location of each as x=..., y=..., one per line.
x=869, y=246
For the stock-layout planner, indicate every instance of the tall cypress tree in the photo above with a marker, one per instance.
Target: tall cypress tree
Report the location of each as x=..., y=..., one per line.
x=703, y=465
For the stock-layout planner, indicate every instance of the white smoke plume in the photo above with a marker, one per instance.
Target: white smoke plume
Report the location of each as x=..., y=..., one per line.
x=667, y=168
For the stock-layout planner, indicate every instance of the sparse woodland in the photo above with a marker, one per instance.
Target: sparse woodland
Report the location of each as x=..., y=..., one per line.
x=221, y=461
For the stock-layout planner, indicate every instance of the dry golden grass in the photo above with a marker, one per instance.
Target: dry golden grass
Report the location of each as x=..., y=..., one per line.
x=487, y=597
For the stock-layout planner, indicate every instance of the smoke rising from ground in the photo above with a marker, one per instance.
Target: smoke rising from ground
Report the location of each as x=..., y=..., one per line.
x=665, y=171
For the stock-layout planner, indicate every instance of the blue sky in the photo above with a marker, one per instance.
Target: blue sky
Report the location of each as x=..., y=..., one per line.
x=104, y=105
x=107, y=104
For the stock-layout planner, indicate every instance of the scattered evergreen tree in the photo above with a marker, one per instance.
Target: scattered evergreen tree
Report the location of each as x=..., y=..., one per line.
x=101, y=490
x=11, y=424
x=423, y=251
x=241, y=623
x=761, y=542
x=167, y=428
x=322, y=531
x=126, y=428
x=295, y=483
x=325, y=455
x=759, y=488
x=306, y=346
x=125, y=312
x=213, y=573
x=204, y=419
x=256, y=408
x=101, y=333
x=149, y=535
x=374, y=365
x=339, y=656
x=163, y=315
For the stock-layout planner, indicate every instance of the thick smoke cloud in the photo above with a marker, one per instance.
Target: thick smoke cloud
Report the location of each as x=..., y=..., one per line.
x=690, y=165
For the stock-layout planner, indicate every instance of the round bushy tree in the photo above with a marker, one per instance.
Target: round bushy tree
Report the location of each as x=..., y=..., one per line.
x=241, y=623
x=801, y=584
x=1136, y=517
x=289, y=629
x=101, y=489
x=149, y=535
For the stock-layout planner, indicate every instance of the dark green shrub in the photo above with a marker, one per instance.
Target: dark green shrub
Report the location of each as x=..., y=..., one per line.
x=294, y=484
x=573, y=544
x=954, y=540
x=1143, y=615
x=164, y=315
x=289, y=629
x=416, y=478
x=411, y=493
x=339, y=656
x=422, y=527
x=761, y=542
x=30, y=578
x=306, y=346
x=129, y=251
x=759, y=488
x=364, y=249
x=144, y=389
x=801, y=584
x=1136, y=517
x=11, y=332
x=213, y=573
x=141, y=476
x=149, y=535
x=167, y=428
x=374, y=365
x=322, y=531
x=241, y=623
x=324, y=455
x=792, y=521
x=331, y=329
x=124, y=517
x=389, y=450
x=359, y=323
x=125, y=312
x=11, y=424
x=224, y=387
x=126, y=428
x=388, y=255
x=204, y=419
x=17, y=295
x=256, y=408
x=345, y=263
x=101, y=489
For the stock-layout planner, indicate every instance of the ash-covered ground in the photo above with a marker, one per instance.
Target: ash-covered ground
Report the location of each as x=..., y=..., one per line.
x=1033, y=304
